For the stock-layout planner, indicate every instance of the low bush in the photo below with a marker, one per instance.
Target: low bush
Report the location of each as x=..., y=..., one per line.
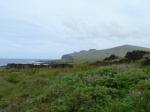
x=118, y=88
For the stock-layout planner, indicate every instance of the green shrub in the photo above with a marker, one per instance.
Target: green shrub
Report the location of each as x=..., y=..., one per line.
x=12, y=79
x=87, y=99
x=144, y=84
x=107, y=71
x=129, y=78
x=81, y=89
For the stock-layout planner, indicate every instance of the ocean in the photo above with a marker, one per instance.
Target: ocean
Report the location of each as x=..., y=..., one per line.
x=4, y=62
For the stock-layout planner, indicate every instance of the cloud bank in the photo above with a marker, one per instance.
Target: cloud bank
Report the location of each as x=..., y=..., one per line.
x=49, y=29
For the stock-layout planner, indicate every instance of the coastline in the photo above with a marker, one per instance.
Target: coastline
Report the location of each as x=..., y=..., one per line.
x=4, y=62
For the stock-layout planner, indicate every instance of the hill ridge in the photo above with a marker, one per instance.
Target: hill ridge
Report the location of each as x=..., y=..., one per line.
x=93, y=54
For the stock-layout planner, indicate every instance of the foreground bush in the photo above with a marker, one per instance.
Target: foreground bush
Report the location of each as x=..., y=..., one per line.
x=81, y=89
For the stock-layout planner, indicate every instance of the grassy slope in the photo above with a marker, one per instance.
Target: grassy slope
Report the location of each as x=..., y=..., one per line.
x=94, y=55
x=81, y=89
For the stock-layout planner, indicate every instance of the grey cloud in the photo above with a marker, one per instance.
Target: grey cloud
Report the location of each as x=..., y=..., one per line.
x=67, y=26
x=81, y=30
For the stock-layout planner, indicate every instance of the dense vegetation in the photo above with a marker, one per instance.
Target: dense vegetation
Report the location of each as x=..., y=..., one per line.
x=83, y=88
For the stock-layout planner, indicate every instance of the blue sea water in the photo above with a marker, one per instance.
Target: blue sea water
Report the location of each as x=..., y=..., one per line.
x=4, y=62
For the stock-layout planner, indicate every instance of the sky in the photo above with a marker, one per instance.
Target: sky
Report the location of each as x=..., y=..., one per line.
x=48, y=29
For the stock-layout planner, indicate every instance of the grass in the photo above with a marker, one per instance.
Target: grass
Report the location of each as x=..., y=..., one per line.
x=84, y=88
x=95, y=55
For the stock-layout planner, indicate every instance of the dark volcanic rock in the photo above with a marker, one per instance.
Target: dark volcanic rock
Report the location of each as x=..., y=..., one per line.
x=92, y=49
x=64, y=65
x=130, y=56
x=59, y=65
x=13, y=65
x=135, y=55
x=146, y=62
x=112, y=57
x=67, y=57
x=107, y=63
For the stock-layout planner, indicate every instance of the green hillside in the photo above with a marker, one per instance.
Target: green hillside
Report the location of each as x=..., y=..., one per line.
x=93, y=55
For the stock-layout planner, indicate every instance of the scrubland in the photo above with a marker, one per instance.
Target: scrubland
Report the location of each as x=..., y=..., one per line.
x=83, y=88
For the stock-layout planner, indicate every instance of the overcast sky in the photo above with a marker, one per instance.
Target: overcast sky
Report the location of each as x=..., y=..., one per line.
x=50, y=28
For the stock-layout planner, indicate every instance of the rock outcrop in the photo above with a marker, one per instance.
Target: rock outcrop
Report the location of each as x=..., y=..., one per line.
x=20, y=66
x=112, y=57
x=135, y=55
x=146, y=62
x=66, y=57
